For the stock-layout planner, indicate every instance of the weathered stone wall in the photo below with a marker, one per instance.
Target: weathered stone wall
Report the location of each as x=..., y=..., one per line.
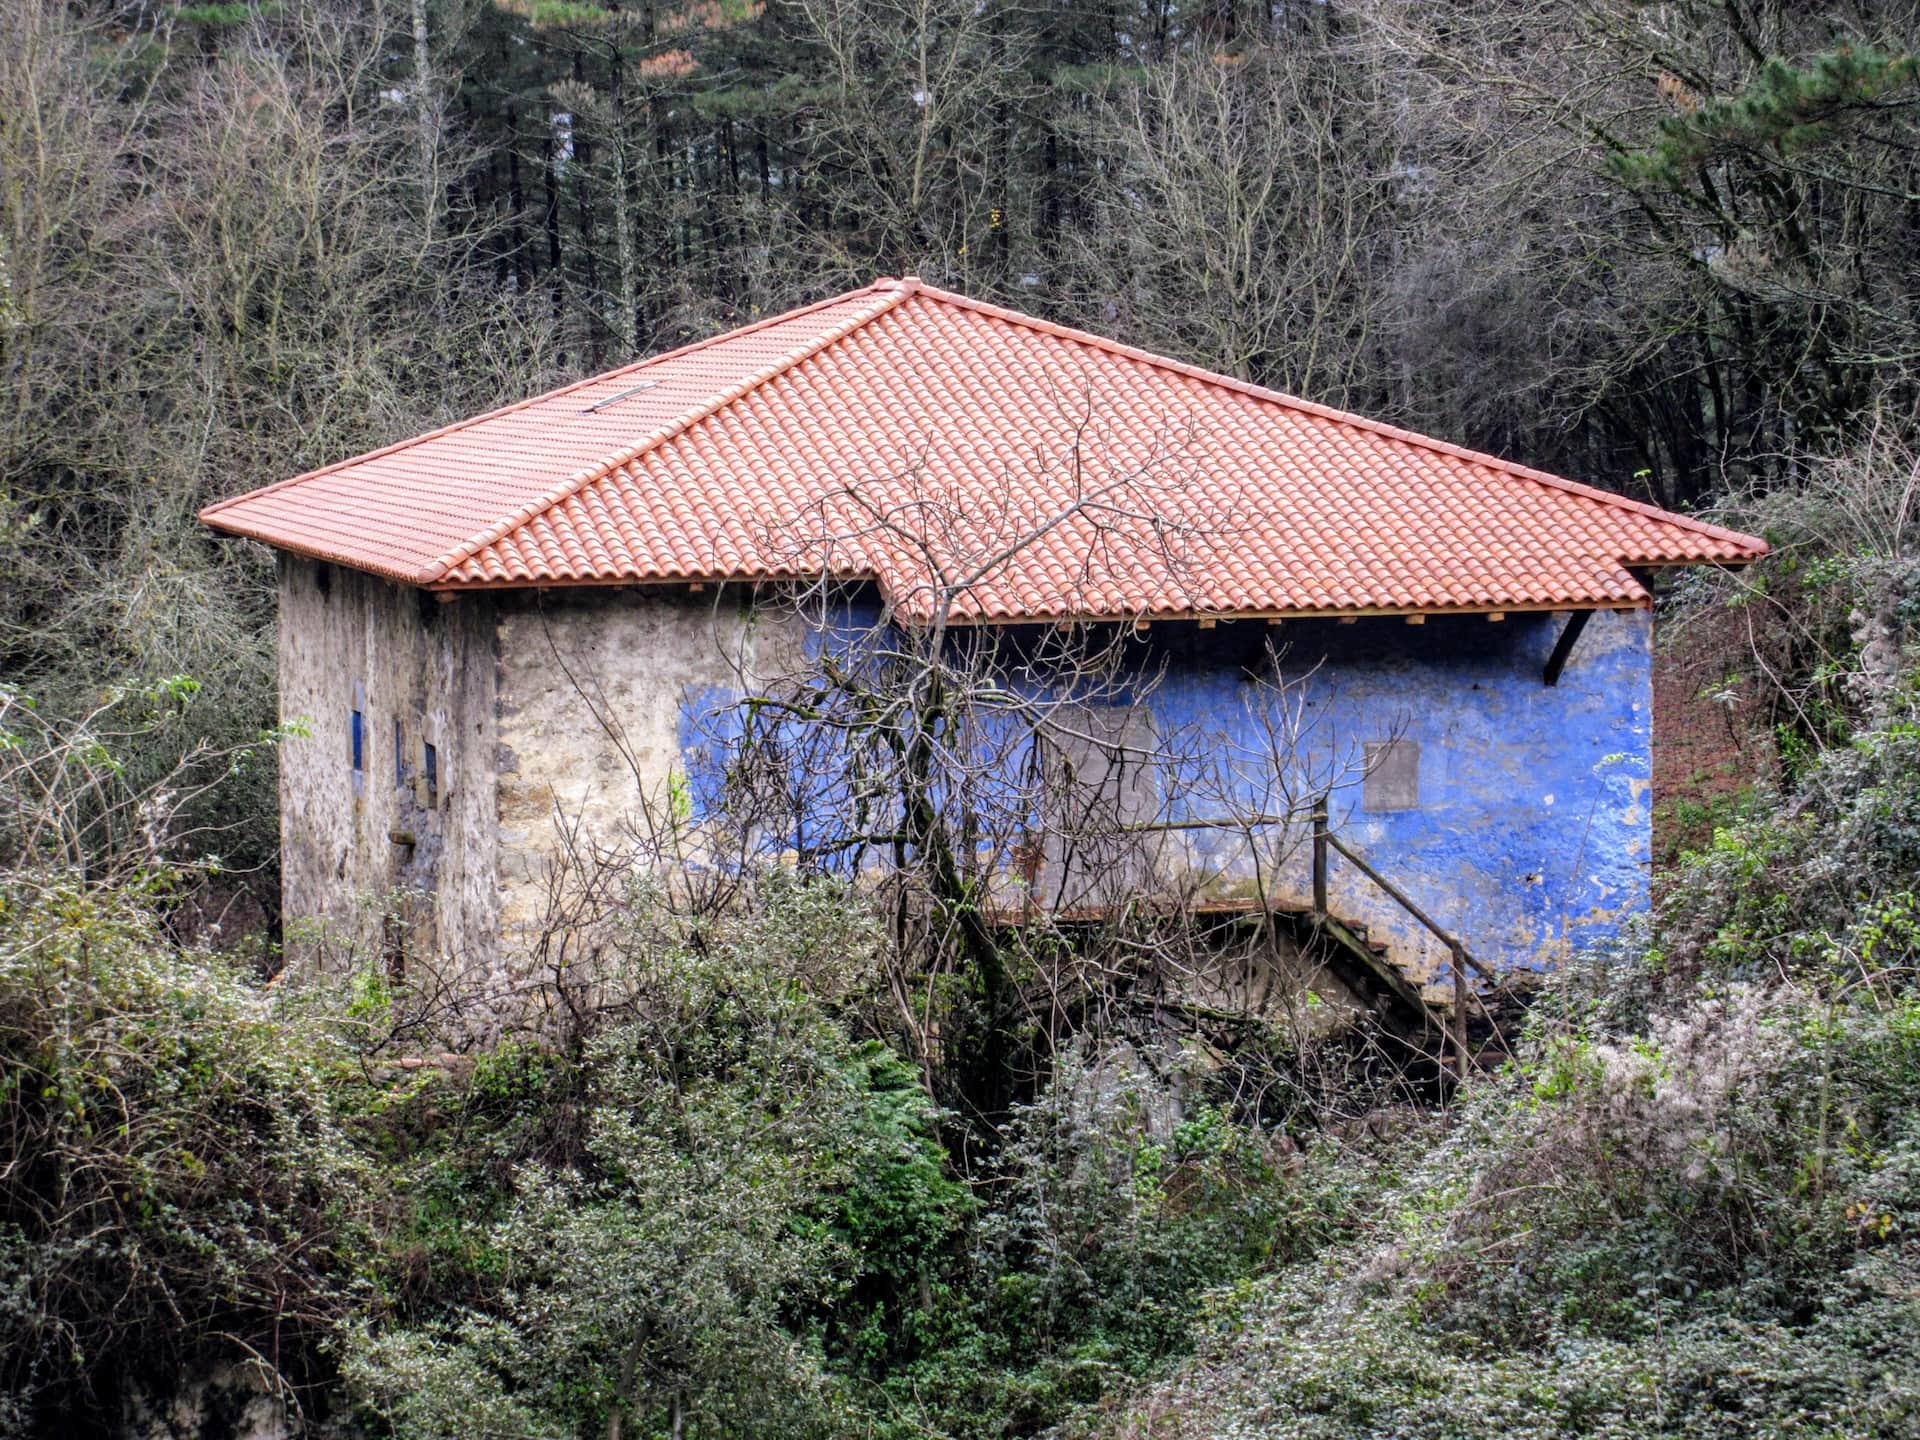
x=1524, y=824
x=595, y=687
x=567, y=723
x=351, y=881
x=1515, y=813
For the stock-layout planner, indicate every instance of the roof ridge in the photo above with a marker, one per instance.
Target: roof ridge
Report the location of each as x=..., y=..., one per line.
x=892, y=295
x=1329, y=412
x=619, y=370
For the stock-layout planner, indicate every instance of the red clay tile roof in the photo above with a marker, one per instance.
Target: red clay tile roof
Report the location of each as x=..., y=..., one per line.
x=949, y=448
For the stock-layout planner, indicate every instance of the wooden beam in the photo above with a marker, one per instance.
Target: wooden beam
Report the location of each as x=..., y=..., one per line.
x=1322, y=835
x=1207, y=622
x=1248, y=617
x=1143, y=623
x=1416, y=619
x=1563, y=647
x=1496, y=616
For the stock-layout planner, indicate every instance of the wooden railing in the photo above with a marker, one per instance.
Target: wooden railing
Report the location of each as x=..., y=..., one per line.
x=1325, y=843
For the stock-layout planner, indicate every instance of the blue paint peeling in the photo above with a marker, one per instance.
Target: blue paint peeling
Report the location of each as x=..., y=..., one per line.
x=710, y=723
x=1531, y=832
x=1532, y=828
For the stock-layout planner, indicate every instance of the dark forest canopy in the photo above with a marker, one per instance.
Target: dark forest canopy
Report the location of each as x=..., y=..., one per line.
x=1666, y=249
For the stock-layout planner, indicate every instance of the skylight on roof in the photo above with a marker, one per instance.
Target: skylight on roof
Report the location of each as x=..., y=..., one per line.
x=618, y=396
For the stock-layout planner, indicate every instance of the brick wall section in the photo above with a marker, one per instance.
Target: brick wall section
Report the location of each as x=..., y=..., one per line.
x=1711, y=740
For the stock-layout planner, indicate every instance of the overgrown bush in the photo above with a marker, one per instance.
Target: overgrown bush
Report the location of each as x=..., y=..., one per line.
x=749, y=1225
x=176, y=1184
x=1691, y=1207
x=1123, y=1198
x=744, y=1166
x=721, y=1204
x=1821, y=627
x=714, y=1197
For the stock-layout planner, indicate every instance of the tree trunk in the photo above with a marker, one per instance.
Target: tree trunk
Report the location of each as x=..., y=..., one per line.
x=429, y=123
x=627, y=295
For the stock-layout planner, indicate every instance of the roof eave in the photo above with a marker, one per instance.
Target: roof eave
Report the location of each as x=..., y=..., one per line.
x=225, y=526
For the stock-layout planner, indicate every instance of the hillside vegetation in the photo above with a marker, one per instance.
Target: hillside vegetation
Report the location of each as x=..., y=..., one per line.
x=1665, y=248
x=1689, y=1209
x=1690, y=1205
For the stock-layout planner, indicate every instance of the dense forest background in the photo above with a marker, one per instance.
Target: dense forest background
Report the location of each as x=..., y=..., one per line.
x=1666, y=248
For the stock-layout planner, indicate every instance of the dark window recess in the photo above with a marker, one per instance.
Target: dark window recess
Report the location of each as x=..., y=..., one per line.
x=430, y=775
x=359, y=741
x=1393, y=776
x=399, y=756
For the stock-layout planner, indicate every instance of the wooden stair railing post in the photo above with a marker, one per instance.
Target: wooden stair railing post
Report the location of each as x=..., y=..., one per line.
x=1459, y=1008
x=1325, y=843
x=1320, y=836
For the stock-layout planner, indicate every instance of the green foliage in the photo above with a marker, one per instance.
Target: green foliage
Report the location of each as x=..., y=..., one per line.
x=1121, y=1205
x=1787, y=106
x=171, y=1151
x=747, y=1219
x=902, y=1217
x=742, y=1163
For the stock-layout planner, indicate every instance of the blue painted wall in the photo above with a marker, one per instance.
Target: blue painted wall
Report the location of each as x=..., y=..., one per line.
x=1532, y=828
x=1531, y=832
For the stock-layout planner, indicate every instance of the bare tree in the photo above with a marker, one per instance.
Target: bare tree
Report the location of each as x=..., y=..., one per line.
x=1246, y=209
x=913, y=147
x=1684, y=233
x=1007, y=794
x=214, y=274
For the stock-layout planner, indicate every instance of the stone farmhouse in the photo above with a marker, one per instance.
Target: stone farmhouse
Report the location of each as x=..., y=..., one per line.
x=505, y=631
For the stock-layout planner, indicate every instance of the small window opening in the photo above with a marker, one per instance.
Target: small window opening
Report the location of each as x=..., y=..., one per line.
x=359, y=742
x=1393, y=776
x=430, y=775
x=399, y=755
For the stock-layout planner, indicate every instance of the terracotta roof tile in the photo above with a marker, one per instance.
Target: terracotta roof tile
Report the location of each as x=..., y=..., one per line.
x=911, y=435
